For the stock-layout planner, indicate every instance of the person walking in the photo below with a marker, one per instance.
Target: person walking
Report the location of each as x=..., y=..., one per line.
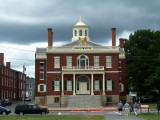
x=120, y=107
x=126, y=107
x=136, y=107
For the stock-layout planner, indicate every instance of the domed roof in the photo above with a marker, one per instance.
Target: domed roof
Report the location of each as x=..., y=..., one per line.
x=80, y=23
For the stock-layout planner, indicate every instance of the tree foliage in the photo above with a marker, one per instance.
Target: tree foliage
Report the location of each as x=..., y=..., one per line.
x=143, y=61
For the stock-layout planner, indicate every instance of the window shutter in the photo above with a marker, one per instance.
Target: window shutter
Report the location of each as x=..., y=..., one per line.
x=100, y=84
x=44, y=88
x=72, y=84
x=93, y=84
x=112, y=84
x=65, y=85
x=105, y=84
x=53, y=85
x=60, y=84
x=38, y=88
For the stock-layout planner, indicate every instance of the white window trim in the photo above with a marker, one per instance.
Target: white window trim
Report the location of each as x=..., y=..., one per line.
x=30, y=86
x=57, y=66
x=44, y=89
x=30, y=93
x=96, y=58
x=122, y=87
x=56, y=85
x=98, y=85
x=110, y=80
x=69, y=85
x=109, y=61
x=67, y=58
x=120, y=77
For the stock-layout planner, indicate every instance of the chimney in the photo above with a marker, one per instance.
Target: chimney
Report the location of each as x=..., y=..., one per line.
x=2, y=58
x=8, y=64
x=50, y=37
x=121, y=42
x=113, y=36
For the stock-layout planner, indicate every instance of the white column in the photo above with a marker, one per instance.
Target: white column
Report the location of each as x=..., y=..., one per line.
x=73, y=84
x=62, y=85
x=92, y=84
x=103, y=84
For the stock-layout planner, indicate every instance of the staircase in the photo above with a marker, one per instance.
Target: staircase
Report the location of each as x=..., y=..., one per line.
x=84, y=101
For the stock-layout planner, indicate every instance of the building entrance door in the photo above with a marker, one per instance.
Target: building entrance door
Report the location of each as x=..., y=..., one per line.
x=82, y=87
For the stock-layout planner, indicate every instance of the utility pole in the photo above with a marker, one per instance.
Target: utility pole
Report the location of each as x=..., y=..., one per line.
x=24, y=91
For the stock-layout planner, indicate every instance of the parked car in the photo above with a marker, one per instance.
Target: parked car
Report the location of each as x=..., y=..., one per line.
x=4, y=111
x=146, y=98
x=27, y=99
x=30, y=109
x=8, y=101
x=2, y=102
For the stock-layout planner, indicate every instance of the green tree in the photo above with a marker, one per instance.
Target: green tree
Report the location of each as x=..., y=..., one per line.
x=142, y=58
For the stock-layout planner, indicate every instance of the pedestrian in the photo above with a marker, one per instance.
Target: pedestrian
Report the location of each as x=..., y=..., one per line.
x=136, y=107
x=126, y=107
x=120, y=107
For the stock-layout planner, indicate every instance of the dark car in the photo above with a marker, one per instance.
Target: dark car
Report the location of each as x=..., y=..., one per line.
x=30, y=109
x=4, y=111
x=2, y=102
x=27, y=99
x=8, y=101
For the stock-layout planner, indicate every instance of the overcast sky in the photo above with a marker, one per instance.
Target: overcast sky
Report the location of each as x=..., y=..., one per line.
x=24, y=23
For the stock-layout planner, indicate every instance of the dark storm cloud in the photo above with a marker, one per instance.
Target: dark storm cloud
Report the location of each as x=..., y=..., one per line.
x=26, y=22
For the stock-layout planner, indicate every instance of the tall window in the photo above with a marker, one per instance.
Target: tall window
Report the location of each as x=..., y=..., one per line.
x=120, y=76
x=96, y=84
x=69, y=61
x=56, y=85
x=2, y=81
x=108, y=62
x=41, y=75
x=109, y=84
x=30, y=86
x=69, y=85
x=83, y=60
x=30, y=93
x=80, y=33
x=85, y=32
x=2, y=94
x=121, y=87
x=41, y=88
x=96, y=61
x=56, y=62
x=75, y=32
x=119, y=64
x=41, y=65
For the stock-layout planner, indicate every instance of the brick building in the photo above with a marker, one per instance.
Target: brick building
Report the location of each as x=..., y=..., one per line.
x=81, y=69
x=12, y=82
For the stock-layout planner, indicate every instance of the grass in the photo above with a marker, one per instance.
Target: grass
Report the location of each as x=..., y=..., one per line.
x=149, y=116
x=52, y=117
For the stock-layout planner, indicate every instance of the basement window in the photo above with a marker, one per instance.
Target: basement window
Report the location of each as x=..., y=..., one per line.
x=56, y=100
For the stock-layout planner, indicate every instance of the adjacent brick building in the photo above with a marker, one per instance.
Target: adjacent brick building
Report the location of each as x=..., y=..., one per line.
x=12, y=82
x=81, y=67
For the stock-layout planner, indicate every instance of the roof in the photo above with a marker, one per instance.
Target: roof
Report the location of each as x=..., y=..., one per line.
x=41, y=50
x=77, y=43
x=30, y=81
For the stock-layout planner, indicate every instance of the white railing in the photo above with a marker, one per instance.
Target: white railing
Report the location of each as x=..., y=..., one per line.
x=83, y=68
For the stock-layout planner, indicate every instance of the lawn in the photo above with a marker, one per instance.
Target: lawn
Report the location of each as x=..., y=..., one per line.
x=150, y=116
x=52, y=117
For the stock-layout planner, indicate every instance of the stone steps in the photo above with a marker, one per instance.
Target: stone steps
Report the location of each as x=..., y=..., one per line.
x=84, y=101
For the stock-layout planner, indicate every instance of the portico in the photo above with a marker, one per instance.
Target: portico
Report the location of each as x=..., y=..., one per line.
x=83, y=84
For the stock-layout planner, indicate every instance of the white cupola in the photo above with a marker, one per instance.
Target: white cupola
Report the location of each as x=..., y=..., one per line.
x=80, y=30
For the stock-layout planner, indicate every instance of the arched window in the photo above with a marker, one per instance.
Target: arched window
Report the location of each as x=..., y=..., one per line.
x=56, y=85
x=82, y=60
x=75, y=32
x=80, y=33
x=85, y=32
